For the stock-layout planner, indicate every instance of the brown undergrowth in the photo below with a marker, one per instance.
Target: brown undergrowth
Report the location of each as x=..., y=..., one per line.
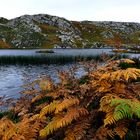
x=103, y=104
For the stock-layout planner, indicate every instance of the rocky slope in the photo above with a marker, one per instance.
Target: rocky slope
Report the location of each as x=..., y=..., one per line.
x=45, y=31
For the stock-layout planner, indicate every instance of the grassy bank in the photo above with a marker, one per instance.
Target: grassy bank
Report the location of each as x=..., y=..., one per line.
x=22, y=60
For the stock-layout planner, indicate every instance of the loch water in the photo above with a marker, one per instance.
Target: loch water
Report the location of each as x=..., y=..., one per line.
x=12, y=77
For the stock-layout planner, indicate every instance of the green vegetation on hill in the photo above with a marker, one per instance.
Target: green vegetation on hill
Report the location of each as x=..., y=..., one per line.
x=52, y=38
x=45, y=31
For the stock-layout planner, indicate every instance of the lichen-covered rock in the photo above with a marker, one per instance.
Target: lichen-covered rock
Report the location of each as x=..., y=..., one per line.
x=46, y=31
x=107, y=34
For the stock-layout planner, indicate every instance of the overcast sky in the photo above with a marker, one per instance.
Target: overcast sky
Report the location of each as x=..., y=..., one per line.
x=94, y=10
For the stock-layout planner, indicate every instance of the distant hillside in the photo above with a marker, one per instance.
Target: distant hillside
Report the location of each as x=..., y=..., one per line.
x=45, y=31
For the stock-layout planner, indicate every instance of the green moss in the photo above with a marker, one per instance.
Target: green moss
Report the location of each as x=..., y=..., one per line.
x=8, y=33
x=78, y=43
x=134, y=38
x=51, y=40
x=51, y=35
x=91, y=32
x=48, y=29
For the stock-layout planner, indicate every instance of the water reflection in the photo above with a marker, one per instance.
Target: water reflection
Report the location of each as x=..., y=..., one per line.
x=13, y=77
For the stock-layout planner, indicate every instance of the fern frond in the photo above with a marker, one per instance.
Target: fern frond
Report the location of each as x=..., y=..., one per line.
x=66, y=103
x=30, y=92
x=46, y=84
x=5, y=124
x=109, y=119
x=119, y=88
x=130, y=73
x=115, y=63
x=72, y=114
x=77, y=130
x=60, y=93
x=125, y=108
x=64, y=78
x=129, y=61
x=102, y=133
x=49, y=108
x=105, y=101
x=51, y=127
x=27, y=128
x=121, y=129
x=38, y=97
x=62, y=121
x=117, y=109
x=39, y=107
x=12, y=130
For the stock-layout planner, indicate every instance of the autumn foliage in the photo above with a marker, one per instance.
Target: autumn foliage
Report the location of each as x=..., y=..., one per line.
x=100, y=105
x=116, y=42
x=3, y=44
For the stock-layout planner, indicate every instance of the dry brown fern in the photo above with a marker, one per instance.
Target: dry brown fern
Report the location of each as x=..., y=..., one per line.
x=97, y=106
x=28, y=128
x=61, y=121
x=77, y=131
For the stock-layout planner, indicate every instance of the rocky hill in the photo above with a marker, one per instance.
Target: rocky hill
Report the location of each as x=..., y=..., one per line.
x=45, y=31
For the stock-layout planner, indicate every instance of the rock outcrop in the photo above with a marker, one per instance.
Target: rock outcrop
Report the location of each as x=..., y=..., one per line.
x=45, y=31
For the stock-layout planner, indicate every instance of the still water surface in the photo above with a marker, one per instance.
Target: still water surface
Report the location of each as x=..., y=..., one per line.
x=56, y=52
x=12, y=77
